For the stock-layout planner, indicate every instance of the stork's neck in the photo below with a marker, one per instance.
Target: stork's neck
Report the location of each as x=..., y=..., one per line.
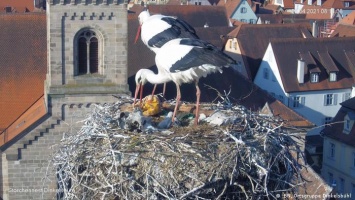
x=157, y=78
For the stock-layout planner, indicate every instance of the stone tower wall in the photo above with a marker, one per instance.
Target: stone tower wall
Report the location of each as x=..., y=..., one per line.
x=69, y=97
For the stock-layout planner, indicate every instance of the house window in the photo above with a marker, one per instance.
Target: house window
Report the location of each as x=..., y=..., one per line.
x=346, y=4
x=347, y=125
x=232, y=44
x=327, y=120
x=314, y=77
x=353, y=190
x=252, y=21
x=266, y=73
x=332, y=76
x=330, y=178
x=332, y=150
x=243, y=20
x=87, y=53
x=341, y=185
x=297, y=101
x=273, y=94
x=244, y=10
x=346, y=96
x=279, y=2
x=330, y=99
x=281, y=98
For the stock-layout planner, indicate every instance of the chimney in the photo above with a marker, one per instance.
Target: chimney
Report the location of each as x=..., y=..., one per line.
x=300, y=70
x=257, y=8
x=319, y=2
x=301, y=1
x=315, y=29
x=309, y=2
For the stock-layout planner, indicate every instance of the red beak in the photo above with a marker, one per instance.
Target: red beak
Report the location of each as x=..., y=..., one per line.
x=138, y=34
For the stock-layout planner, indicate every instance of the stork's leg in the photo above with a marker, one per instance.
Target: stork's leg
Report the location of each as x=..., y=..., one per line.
x=164, y=88
x=155, y=87
x=178, y=97
x=136, y=94
x=141, y=96
x=198, y=93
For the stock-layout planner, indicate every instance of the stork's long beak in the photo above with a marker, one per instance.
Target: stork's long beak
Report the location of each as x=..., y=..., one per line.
x=136, y=94
x=139, y=87
x=138, y=34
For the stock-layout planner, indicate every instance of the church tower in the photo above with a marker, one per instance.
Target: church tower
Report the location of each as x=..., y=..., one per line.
x=87, y=52
x=86, y=66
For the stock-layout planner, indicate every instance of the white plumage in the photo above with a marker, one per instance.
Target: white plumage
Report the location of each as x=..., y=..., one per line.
x=156, y=30
x=184, y=61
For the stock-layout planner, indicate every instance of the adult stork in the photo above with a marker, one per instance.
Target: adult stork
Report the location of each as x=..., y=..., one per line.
x=156, y=30
x=184, y=60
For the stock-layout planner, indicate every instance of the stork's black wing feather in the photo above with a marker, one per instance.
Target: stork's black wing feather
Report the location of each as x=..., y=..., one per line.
x=178, y=29
x=163, y=37
x=201, y=53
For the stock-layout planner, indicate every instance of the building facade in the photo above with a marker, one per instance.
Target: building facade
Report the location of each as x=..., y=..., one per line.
x=338, y=167
x=86, y=66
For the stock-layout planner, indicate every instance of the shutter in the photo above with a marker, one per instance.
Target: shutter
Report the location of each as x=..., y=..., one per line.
x=325, y=100
x=335, y=102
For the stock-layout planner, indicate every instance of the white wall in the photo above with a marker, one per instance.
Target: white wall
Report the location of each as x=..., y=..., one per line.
x=313, y=109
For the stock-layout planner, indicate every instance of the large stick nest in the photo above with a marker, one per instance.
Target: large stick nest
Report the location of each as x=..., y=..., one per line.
x=252, y=157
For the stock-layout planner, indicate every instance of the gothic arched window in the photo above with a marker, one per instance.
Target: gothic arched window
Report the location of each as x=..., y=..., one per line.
x=88, y=53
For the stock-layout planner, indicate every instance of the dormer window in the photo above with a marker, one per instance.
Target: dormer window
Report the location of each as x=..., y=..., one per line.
x=346, y=4
x=233, y=44
x=348, y=122
x=332, y=76
x=8, y=9
x=314, y=77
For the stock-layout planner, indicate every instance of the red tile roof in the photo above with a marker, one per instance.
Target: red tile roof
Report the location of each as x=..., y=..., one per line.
x=231, y=5
x=196, y=16
x=338, y=4
x=17, y=5
x=289, y=4
x=349, y=19
x=343, y=30
x=335, y=129
x=288, y=51
x=253, y=40
x=23, y=59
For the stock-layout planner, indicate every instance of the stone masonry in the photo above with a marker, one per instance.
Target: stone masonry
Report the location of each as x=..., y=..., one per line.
x=26, y=171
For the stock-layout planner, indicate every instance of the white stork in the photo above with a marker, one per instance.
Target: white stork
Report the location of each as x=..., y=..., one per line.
x=184, y=60
x=156, y=30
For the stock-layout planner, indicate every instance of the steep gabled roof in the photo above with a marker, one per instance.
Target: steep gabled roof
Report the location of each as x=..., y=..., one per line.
x=282, y=18
x=253, y=40
x=196, y=16
x=343, y=30
x=287, y=51
x=231, y=5
x=289, y=4
x=338, y=4
x=335, y=129
x=349, y=19
x=19, y=6
x=23, y=63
